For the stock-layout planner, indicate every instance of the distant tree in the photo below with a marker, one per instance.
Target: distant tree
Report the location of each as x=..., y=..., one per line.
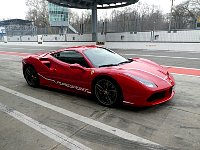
x=140, y=17
x=82, y=23
x=38, y=12
x=73, y=16
x=194, y=7
x=185, y=14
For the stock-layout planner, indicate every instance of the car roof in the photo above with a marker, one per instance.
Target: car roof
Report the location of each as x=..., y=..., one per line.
x=78, y=48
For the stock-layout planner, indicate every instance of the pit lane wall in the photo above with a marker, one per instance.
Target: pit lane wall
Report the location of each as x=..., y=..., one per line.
x=156, y=40
x=51, y=38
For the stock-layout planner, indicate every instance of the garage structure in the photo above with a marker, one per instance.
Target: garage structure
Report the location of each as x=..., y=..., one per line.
x=17, y=27
x=94, y=5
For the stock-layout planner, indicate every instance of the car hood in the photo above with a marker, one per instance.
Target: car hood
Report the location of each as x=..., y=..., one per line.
x=145, y=69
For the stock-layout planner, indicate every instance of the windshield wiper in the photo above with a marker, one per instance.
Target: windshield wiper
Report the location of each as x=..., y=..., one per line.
x=108, y=65
x=123, y=62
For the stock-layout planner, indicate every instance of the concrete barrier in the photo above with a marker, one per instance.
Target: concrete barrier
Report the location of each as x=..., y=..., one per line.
x=128, y=36
x=120, y=45
x=29, y=38
x=14, y=38
x=54, y=38
x=158, y=40
x=190, y=36
x=50, y=44
x=154, y=46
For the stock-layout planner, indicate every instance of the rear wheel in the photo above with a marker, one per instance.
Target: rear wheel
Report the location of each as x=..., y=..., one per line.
x=107, y=92
x=31, y=76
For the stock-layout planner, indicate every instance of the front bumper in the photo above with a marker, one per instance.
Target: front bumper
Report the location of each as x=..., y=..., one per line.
x=154, y=98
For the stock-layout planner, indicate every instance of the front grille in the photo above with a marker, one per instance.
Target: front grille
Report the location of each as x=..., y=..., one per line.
x=160, y=95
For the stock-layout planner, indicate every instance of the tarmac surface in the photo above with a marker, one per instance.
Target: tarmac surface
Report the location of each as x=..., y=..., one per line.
x=42, y=118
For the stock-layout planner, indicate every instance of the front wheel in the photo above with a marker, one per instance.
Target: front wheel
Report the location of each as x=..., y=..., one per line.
x=31, y=76
x=107, y=92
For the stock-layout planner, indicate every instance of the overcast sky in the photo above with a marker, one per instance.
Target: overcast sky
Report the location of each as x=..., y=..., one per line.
x=12, y=9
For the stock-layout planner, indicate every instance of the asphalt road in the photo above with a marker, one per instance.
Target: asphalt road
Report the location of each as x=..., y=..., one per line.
x=188, y=59
x=40, y=118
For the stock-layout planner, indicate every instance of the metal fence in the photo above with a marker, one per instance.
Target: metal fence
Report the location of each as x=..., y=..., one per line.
x=85, y=28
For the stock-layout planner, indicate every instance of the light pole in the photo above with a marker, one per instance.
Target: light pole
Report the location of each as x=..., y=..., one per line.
x=94, y=25
x=170, y=21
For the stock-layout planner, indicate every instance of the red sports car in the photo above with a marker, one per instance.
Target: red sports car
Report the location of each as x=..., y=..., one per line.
x=98, y=71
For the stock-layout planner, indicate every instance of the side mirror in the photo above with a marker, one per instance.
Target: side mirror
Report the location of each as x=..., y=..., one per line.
x=77, y=66
x=131, y=59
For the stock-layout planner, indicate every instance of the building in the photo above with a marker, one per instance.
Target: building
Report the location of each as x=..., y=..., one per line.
x=58, y=17
x=17, y=27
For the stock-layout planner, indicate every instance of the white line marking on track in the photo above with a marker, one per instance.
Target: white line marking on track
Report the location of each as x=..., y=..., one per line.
x=94, y=123
x=16, y=48
x=49, y=132
x=164, y=56
x=172, y=51
x=36, y=49
x=20, y=48
x=181, y=67
x=185, y=75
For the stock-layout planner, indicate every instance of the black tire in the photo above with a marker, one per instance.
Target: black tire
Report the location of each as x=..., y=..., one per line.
x=107, y=92
x=31, y=76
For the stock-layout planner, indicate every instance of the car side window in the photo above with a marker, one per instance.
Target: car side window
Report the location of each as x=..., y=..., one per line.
x=71, y=57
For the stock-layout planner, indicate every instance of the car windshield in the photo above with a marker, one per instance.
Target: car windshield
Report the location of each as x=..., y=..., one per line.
x=101, y=57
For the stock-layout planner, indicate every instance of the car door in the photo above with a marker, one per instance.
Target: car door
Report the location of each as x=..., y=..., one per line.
x=71, y=71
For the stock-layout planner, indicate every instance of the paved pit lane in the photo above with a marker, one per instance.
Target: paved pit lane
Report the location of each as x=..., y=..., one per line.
x=42, y=118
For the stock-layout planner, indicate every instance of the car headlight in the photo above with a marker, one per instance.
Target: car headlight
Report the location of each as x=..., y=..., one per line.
x=143, y=81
